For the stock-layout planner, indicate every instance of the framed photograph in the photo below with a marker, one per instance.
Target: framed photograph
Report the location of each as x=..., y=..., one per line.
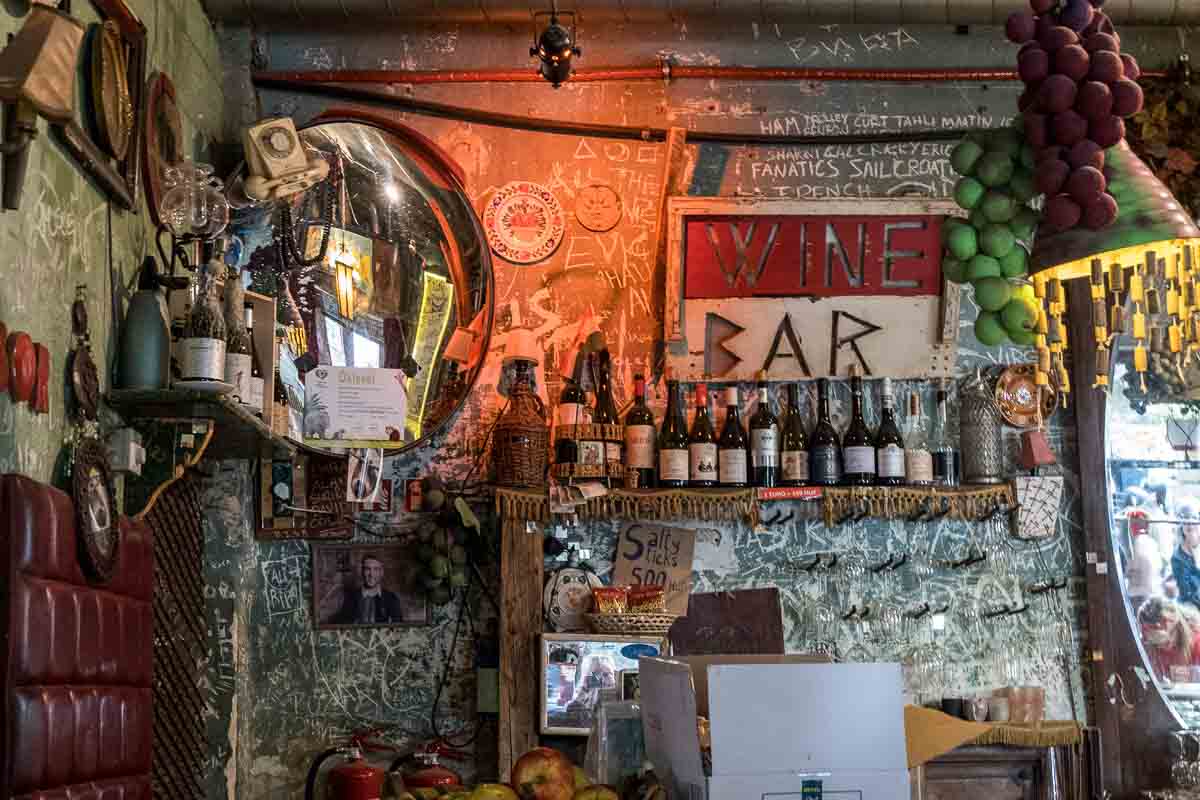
x=367, y=586
x=631, y=684
x=581, y=670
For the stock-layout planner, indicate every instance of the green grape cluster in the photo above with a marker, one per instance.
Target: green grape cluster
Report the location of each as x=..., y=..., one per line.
x=443, y=563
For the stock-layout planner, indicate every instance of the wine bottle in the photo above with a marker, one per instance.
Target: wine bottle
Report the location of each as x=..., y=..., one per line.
x=639, y=436
x=731, y=447
x=795, y=442
x=237, y=349
x=572, y=404
x=945, y=454
x=764, y=441
x=889, y=444
x=606, y=407
x=858, y=445
x=280, y=413
x=673, y=442
x=591, y=448
x=257, y=382
x=824, y=446
x=918, y=462
x=702, y=444
x=203, y=344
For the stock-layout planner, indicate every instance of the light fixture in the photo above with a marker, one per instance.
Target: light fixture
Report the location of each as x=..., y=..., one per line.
x=521, y=359
x=194, y=206
x=392, y=191
x=346, y=277
x=1149, y=258
x=555, y=47
x=37, y=76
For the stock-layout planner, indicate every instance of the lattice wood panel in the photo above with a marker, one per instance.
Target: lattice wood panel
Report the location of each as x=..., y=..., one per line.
x=179, y=642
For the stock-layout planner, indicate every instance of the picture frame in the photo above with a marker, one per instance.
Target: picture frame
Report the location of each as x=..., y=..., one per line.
x=117, y=178
x=367, y=585
x=630, y=682
x=578, y=671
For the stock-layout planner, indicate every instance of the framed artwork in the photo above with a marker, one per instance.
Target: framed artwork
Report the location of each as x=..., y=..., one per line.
x=630, y=682
x=367, y=586
x=581, y=670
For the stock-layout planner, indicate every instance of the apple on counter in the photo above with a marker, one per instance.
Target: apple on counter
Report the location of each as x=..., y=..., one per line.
x=596, y=792
x=493, y=791
x=544, y=774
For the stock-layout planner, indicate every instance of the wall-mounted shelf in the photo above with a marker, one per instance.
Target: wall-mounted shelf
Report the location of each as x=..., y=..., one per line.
x=238, y=433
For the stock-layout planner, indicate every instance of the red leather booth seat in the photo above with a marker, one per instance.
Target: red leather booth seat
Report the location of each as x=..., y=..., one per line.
x=78, y=659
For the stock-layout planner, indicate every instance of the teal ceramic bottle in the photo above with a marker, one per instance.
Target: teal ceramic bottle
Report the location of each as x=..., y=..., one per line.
x=145, y=338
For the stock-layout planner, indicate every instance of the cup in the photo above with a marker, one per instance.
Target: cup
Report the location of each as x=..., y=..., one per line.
x=998, y=709
x=952, y=706
x=976, y=709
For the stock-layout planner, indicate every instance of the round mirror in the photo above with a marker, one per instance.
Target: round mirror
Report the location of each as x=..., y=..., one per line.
x=1153, y=449
x=386, y=268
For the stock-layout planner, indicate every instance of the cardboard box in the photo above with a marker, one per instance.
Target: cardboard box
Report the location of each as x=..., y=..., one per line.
x=782, y=728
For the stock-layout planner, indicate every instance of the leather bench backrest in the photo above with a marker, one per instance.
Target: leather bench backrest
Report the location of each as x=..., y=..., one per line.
x=78, y=659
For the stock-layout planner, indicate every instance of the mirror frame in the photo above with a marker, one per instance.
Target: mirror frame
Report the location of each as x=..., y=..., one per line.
x=437, y=164
x=1134, y=751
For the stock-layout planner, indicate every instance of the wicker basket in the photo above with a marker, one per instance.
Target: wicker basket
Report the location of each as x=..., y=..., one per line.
x=522, y=440
x=632, y=624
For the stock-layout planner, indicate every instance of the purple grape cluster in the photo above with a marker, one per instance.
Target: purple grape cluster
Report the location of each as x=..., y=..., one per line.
x=1079, y=87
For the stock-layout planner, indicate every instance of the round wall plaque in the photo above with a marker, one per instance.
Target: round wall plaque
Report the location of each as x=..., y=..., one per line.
x=524, y=222
x=598, y=207
x=95, y=513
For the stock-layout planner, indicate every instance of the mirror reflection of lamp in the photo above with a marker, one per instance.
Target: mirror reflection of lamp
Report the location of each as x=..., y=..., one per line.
x=346, y=278
x=37, y=77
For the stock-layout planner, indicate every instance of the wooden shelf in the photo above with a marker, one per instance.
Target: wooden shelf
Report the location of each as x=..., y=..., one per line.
x=238, y=433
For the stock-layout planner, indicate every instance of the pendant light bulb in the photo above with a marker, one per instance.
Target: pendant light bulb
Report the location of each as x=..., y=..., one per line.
x=556, y=50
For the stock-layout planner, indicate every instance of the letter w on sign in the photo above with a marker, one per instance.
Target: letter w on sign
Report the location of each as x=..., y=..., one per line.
x=741, y=255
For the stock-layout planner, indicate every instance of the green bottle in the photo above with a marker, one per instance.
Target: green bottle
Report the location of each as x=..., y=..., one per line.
x=145, y=356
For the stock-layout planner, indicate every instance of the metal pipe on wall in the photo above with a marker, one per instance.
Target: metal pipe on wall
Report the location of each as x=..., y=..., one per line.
x=813, y=12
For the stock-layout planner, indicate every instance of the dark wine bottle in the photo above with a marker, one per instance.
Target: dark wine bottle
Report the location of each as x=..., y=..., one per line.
x=639, y=436
x=858, y=445
x=795, y=442
x=732, y=446
x=606, y=407
x=764, y=441
x=824, y=446
x=673, y=442
x=702, y=444
x=572, y=404
x=945, y=453
x=889, y=445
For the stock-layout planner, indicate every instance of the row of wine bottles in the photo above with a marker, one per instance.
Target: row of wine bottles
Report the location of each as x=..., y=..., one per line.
x=766, y=453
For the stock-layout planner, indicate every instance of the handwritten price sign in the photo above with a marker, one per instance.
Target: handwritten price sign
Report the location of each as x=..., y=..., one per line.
x=655, y=555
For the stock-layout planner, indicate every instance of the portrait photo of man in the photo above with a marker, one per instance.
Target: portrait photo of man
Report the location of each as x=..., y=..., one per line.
x=365, y=585
x=371, y=604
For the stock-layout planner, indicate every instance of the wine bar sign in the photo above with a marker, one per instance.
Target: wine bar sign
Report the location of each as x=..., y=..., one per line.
x=805, y=290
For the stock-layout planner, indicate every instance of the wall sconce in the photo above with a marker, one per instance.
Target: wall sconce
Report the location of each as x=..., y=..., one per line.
x=555, y=48
x=346, y=278
x=37, y=76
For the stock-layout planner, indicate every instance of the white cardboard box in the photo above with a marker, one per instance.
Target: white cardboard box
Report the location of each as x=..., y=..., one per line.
x=782, y=728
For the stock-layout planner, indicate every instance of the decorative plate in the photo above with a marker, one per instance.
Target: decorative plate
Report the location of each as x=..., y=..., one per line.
x=524, y=222
x=568, y=597
x=598, y=207
x=111, y=103
x=97, y=527
x=1017, y=393
x=162, y=142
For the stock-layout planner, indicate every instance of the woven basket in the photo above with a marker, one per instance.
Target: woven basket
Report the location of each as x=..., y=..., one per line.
x=521, y=448
x=632, y=624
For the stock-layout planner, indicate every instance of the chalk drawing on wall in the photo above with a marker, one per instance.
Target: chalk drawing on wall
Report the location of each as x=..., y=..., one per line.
x=524, y=222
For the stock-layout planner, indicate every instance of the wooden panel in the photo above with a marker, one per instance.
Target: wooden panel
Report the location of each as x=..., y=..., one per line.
x=521, y=622
x=970, y=773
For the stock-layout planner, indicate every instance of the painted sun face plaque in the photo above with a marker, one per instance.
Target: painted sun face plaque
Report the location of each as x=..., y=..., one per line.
x=524, y=222
x=598, y=207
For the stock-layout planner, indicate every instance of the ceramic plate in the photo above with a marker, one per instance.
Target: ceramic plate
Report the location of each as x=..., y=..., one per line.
x=1017, y=396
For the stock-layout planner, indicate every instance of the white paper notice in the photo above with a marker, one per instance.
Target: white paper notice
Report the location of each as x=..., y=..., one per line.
x=350, y=405
x=714, y=551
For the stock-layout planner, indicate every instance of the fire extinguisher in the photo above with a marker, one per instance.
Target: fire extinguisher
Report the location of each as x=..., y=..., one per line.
x=429, y=773
x=353, y=779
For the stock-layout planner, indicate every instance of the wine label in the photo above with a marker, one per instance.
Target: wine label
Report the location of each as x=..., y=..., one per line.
x=639, y=446
x=237, y=372
x=918, y=465
x=732, y=467
x=612, y=451
x=764, y=446
x=591, y=452
x=857, y=460
x=202, y=359
x=825, y=464
x=573, y=414
x=672, y=465
x=702, y=459
x=795, y=465
x=257, y=390
x=890, y=461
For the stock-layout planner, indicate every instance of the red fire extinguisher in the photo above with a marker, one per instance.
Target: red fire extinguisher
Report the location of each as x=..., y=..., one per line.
x=354, y=779
x=430, y=773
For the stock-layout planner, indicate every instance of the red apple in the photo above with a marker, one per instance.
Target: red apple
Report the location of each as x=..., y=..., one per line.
x=597, y=792
x=544, y=774
x=493, y=791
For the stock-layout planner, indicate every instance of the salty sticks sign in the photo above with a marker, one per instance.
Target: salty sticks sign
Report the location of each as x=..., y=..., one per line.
x=803, y=290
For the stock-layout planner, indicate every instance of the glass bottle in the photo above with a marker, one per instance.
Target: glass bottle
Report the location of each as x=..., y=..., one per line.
x=731, y=447
x=945, y=454
x=673, y=442
x=825, y=447
x=202, y=349
x=764, y=441
x=571, y=405
x=237, y=341
x=639, y=436
x=858, y=445
x=606, y=408
x=702, y=444
x=889, y=444
x=795, y=442
x=280, y=413
x=257, y=381
x=918, y=461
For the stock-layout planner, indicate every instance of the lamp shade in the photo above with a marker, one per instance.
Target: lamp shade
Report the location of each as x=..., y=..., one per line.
x=521, y=345
x=1143, y=270
x=458, y=349
x=38, y=65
